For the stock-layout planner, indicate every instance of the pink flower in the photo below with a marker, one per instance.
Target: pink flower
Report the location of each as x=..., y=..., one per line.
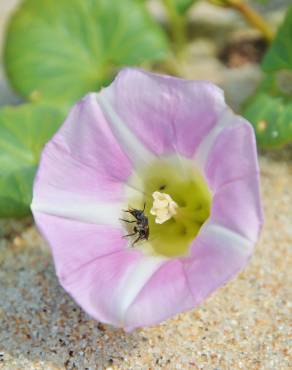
x=146, y=133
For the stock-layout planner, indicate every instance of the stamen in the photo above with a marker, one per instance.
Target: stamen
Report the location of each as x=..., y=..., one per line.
x=164, y=207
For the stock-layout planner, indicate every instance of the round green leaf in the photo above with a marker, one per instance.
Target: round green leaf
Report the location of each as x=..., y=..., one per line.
x=60, y=50
x=23, y=132
x=271, y=117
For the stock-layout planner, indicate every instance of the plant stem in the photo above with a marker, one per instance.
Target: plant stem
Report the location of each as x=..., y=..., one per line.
x=253, y=17
x=178, y=27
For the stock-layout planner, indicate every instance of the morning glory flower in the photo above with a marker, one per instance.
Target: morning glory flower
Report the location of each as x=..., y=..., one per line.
x=149, y=197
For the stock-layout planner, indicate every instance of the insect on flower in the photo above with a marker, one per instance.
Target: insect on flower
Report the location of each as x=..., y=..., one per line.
x=175, y=145
x=141, y=228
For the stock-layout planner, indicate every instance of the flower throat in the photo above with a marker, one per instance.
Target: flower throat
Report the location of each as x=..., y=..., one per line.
x=177, y=203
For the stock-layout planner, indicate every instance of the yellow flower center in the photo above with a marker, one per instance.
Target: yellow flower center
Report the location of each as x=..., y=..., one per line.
x=177, y=203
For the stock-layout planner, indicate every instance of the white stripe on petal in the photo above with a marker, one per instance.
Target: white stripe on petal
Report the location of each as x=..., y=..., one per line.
x=203, y=150
x=134, y=281
x=132, y=146
x=81, y=209
x=227, y=236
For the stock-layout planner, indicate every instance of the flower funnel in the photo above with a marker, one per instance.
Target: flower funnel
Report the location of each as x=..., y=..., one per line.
x=149, y=198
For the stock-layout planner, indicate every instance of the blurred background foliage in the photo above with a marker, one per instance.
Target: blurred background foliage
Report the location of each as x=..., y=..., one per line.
x=55, y=51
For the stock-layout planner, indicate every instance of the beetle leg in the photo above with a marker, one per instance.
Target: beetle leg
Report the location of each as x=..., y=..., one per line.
x=129, y=210
x=130, y=222
x=135, y=241
x=125, y=236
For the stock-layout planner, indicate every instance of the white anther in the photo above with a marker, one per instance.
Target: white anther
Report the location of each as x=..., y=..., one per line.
x=163, y=207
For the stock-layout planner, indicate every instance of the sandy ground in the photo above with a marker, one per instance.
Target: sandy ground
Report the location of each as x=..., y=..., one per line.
x=242, y=326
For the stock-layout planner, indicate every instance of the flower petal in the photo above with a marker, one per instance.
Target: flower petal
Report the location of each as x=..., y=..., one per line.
x=232, y=155
x=228, y=158
x=76, y=206
x=82, y=169
x=166, y=294
x=160, y=110
x=95, y=268
x=87, y=137
x=74, y=244
x=94, y=285
x=236, y=206
x=218, y=254
x=139, y=155
x=92, y=264
x=203, y=150
x=184, y=283
x=105, y=287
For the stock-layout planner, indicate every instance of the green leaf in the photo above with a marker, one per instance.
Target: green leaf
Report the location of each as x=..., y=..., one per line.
x=271, y=117
x=279, y=56
x=60, y=50
x=23, y=132
x=270, y=109
x=183, y=6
